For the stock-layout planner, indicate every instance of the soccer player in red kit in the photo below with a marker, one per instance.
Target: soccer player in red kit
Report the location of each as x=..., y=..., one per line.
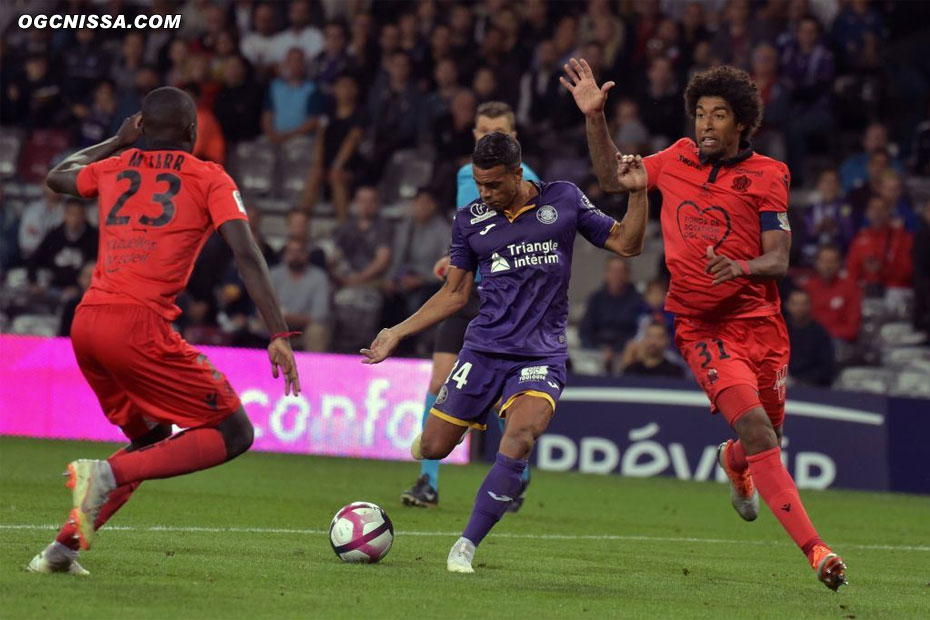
x=158, y=205
x=725, y=226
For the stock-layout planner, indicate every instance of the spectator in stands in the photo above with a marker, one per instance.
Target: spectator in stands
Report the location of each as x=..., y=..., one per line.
x=301, y=33
x=334, y=60
x=879, y=164
x=211, y=144
x=439, y=101
x=630, y=134
x=419, y=242
x=853, y=23
x=388, y=43
x=227, y=48
x=921, y=258
x=294, y=104
x=130, y=60
x=71, y=304
x=297, y=226
x=855, y=169
x=540, y=89
x=808, y=69
x=836, y=300
x=920, y=151
x=39, y=217
x=130, y=101
x=610, y=319
x=769, y=138
x=255, y=225
x=363, y=244
x=454, y=140
x=9, y=236
x=337, y=162
x=811, y=347
x=732, y=43
x=829, y=220
x=362, y=46
x=86, y=63
x=892, y=192
x=880, y=255
x=304, y=294
x=484, y=85
x=259, y=46
x=660, y=104
x=503, y=62
x=394, y=109
x=33, y=100
x=96, y=118
x=239, y=104
x=65, y=249
x=652, y=361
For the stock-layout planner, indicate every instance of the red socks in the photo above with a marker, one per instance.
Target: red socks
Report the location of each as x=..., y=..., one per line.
x=186, y=452
x=781, y=496
x=736, y=457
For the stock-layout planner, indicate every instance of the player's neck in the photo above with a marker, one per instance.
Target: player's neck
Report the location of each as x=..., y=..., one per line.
x=523, y=195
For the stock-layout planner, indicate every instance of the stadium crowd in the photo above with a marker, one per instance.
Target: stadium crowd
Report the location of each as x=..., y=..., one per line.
x=345, y=122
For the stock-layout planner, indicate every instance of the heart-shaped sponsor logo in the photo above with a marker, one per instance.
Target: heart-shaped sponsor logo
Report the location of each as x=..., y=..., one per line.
x=710, y=225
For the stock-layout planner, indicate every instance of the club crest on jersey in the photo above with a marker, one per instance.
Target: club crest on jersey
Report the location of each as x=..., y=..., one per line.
x=480, y=213
x=499, y=263
x=547, y=214
x=741, y=183
x=443, y=395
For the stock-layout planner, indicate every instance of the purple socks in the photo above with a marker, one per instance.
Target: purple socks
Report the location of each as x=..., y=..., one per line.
x=499, y=488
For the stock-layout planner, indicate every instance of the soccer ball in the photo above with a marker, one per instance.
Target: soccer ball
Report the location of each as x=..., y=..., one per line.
x=361, y=532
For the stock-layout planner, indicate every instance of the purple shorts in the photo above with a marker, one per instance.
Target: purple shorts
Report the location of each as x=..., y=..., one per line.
x=478, y=379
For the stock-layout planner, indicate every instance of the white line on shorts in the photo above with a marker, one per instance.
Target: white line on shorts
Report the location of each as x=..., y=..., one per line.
x=600, y=537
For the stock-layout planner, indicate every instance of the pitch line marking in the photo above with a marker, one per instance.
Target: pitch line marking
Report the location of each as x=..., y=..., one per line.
x=311, y=532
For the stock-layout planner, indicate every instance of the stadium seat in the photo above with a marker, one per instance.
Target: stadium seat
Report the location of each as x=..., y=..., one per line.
x=864, y=379
x=45, y=325
x=10, y=143
x=911, y=382
x=903, y=356
x=900, y=333
x=357, y=312
x=586, y=362
x=252, y=164
x=406, y=172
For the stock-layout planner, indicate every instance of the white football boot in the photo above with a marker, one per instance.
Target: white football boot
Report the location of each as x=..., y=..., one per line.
x=461, y=556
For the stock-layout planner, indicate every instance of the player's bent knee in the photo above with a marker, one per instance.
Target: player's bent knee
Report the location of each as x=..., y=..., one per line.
x=756, y=432
x=518, y=443
x=238, y=433
x=435, y=449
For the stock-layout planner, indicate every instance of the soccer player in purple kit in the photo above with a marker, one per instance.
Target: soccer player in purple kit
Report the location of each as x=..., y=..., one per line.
x=519, y=235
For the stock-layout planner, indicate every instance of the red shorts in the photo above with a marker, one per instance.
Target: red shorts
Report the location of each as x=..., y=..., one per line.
x=751, y=352
x=144, y=373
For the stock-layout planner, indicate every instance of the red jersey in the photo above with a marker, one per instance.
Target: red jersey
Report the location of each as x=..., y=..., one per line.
x=881, y=256
x=837, y=305
x=718, y=205
x=157, y=208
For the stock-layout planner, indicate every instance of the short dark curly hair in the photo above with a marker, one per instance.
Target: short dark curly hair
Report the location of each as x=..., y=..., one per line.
x=733, y=86
x=495, y=149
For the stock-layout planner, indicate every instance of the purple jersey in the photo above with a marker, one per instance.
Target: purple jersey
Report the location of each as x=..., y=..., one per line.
x=525, y=266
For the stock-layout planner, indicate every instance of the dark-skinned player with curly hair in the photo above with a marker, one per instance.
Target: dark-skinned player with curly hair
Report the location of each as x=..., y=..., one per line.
x=725, y=227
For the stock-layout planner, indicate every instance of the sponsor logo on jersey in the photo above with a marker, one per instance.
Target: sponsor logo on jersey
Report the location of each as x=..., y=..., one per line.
x=783, y=222
x=500, y=498
x=688, y=162
x=480, y=213
x=487, y=229
x=708, y=225
x=534, y=373
x=742, y=183
x=238, y=198
x=499, y=263
x=547, y=214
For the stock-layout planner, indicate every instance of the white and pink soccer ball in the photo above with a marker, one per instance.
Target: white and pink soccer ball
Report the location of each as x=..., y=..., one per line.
x=361, y=532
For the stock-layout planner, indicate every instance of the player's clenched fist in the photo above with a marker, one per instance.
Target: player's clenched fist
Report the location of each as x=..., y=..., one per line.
x=631, y=172
x=589, y=97
x=383, y=345
x=723, y=268
x=282, y=357
x=130, y=130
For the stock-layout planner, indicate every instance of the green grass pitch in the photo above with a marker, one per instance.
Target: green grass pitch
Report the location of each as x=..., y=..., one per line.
x=248, y=540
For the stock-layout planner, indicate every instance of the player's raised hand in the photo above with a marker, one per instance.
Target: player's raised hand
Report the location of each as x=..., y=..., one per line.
x=723, y=268
x=631, y=172
x=579, y=80
x=282, y=358
x=384, y=344
x=130, y=130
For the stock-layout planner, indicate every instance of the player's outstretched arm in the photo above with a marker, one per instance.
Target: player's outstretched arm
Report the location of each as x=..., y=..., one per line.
x=254, y=272
x=63, y=177
x=451, y=298
x=590, y=99
x=627, y=237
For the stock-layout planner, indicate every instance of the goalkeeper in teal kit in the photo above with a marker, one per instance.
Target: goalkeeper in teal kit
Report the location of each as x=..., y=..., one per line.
x=490, y=117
